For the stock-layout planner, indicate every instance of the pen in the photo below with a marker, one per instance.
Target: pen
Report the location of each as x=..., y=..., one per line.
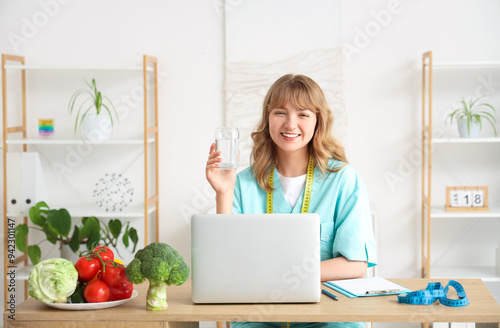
x=330, y=294
x=386, y=291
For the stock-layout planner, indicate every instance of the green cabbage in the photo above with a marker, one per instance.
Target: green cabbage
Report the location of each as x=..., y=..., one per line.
x=52, y=280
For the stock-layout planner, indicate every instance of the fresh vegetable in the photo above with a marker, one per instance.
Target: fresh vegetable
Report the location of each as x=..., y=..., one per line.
x=98, y=275
x=77, y=296
x=87, y=267
x=96, y=292
x=122, y=291
x=162, y=266
x=114, y=274
x=52, y=280
x=102, y=278
x=105, y=253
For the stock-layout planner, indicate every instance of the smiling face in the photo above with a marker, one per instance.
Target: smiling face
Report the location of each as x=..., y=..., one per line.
x=285, y=129
x=291, y=128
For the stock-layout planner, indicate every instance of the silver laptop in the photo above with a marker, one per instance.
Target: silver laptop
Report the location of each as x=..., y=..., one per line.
x=255, y=258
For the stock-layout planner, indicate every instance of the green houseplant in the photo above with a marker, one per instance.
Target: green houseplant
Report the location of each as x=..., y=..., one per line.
x=469, y=116
x=94, y=113
x=56, y=224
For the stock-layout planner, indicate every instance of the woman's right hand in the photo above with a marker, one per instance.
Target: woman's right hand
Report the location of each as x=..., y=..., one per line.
x=222, y=181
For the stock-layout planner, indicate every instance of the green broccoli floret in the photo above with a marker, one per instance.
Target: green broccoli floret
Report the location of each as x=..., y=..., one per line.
x=162, y=266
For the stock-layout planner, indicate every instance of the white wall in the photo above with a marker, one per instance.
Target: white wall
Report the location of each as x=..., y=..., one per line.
x=384, y=104
x=383, y=89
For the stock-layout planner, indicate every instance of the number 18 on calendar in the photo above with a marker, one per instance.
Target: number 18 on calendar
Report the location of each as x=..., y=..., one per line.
x=467, y=198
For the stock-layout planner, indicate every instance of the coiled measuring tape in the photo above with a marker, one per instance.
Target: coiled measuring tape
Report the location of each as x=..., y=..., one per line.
x=435, y=291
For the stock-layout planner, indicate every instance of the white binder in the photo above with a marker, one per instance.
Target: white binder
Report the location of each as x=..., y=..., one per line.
x=33, y=188
x=14, y=181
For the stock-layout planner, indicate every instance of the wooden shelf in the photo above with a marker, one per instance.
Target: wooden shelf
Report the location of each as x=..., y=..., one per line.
x=57, y=142
x=92, y=210
x=439, y=212
x=145, y=131
x=464, y=140
x=486, y=273
x=466, y=64
x=75, y=68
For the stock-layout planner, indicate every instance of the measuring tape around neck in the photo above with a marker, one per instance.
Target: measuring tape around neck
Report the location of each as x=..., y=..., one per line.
x=307, y=191
x=435, y=291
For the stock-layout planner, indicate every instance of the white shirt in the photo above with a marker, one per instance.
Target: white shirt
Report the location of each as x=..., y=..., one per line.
x=292, y=188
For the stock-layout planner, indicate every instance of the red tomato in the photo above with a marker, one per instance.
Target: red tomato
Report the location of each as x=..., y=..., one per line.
x=87, y=267
x=105, y=253
x=114, y=274
x=122, y=291
x=96, y=291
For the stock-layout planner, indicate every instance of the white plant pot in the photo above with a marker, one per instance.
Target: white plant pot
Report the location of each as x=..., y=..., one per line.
x=96, y=128
x=68, y=254
x=465, y=132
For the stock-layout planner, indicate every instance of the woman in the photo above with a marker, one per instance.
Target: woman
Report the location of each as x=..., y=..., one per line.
x=298, y=166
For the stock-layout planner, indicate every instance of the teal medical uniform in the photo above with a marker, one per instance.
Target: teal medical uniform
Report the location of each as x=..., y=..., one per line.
x=340, y=199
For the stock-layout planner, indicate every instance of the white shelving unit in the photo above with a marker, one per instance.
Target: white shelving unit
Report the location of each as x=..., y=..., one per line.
x=81, y=211
x=17, y=136
x=465, y=140
x=434, y=213
x=465, y=64
x=440, y=213
x=76, y=68
x=486, y=273
x=58, y=142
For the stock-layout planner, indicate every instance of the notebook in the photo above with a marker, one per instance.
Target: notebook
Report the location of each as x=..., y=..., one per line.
x=371, y=286
x=255, y=258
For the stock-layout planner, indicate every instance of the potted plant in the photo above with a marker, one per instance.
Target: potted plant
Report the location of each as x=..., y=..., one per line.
x=56, y=224
x=469, y=117
x=94, y=114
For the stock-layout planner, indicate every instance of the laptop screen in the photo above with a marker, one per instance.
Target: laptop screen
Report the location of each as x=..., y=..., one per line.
x=249, y=258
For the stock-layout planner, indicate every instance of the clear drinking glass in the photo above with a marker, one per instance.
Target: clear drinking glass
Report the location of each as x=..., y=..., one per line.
x=226, y=140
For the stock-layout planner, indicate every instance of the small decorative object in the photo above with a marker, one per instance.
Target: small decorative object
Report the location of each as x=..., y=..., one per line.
x=94, y=115
x=469, y=117
x=467, y=199
x=46, y=128
x=113, y=192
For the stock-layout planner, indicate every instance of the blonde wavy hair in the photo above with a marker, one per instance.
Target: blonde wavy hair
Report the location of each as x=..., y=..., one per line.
x=303, y=93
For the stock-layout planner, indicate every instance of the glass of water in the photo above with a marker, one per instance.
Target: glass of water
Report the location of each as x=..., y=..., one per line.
x=226, y=141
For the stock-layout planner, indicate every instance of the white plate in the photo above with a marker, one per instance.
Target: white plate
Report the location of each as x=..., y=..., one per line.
x=90, y=306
